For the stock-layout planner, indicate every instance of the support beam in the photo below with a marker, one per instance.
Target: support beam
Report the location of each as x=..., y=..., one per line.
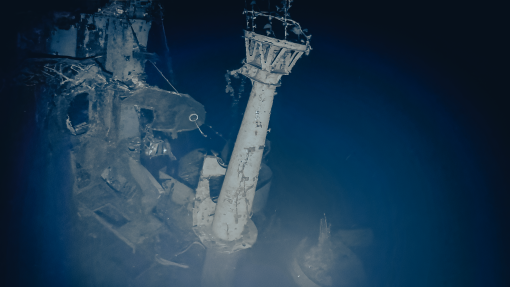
x=267, y=60
x=236, y=198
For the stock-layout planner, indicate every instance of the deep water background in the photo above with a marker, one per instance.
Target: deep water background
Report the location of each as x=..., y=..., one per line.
x=396, y=121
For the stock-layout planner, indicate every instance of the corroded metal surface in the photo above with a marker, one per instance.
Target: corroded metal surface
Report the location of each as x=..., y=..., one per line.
x=204, y=210
x=171, y=110
x=238, y=190
x=267, y=59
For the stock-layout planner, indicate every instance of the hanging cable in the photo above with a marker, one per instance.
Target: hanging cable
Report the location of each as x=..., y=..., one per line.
x=164, y=76
x=194, y=118
x=143, y=49
x=217, y=133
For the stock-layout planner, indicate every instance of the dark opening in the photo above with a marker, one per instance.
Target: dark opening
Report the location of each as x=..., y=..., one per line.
x=146, y=116
x=215, y=184
x=78, y=113
x=111, y=215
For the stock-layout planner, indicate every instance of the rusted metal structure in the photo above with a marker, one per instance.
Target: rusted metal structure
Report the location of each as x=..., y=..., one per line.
x=226, y=225
x=267, y=60
x=91, y=72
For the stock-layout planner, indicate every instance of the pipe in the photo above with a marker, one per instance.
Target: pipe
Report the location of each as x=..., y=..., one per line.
x=236, y=198
x=267, y=60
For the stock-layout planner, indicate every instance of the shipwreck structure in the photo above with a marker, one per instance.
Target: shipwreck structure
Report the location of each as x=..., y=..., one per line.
x=167, y=215
x=267, y=60
x=88, y=74
x=226, y=227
